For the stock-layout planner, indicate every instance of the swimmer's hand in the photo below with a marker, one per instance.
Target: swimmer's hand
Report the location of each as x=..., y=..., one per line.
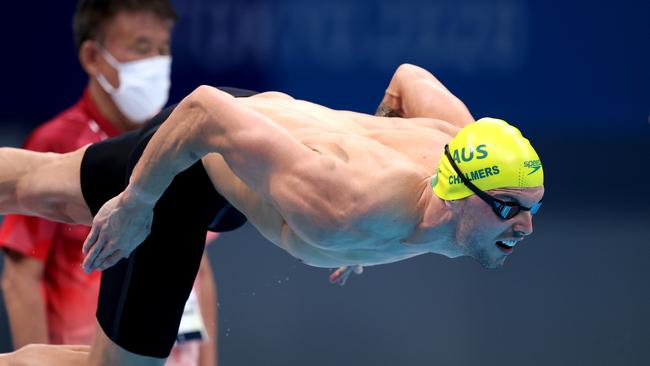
x=118, y=228
x=340, y=276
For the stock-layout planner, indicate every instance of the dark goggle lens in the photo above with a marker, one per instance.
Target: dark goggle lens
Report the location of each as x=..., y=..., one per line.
x=508, y=210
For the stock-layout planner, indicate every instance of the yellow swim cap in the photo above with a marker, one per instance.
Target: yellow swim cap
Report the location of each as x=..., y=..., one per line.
x=491, y=154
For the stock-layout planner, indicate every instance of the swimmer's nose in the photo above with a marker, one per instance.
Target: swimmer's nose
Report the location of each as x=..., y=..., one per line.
x=524, y=224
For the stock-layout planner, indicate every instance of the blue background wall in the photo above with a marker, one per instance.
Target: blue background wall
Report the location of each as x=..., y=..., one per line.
x=572, y=75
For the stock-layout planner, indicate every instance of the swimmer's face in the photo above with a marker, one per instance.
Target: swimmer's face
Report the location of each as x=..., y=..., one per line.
x=487, y=238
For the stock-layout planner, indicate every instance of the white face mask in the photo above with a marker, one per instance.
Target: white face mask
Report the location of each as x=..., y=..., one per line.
x=144, y=85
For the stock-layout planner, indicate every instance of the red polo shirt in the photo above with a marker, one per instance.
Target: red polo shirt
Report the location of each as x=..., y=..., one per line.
x=70, y=295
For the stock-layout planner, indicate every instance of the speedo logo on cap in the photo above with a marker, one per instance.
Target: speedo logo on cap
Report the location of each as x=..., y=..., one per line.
x=534, y=165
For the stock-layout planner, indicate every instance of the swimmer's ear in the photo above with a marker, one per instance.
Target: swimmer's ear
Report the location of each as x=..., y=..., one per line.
x=455, y=204
x=452, y=205
x=434, y=181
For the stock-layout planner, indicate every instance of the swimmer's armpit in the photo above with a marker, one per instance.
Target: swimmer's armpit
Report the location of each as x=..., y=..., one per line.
x=385, y=111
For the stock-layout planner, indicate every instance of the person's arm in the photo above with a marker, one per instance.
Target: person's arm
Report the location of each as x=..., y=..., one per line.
x=43, y=184
x=207, y=296
x=415, y=92
x=23, y=295
x=260, y=152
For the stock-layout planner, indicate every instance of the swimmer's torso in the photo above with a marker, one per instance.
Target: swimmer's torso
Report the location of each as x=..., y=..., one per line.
x=391, y=159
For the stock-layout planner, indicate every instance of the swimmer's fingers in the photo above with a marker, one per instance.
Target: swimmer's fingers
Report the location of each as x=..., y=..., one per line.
x=90, y=239
x=95, y=240
x=102, y=248
x=341, y=275
x=93, y=256
x=99, y=249
x=334, y=276
x=103, y=256
x=111, y=260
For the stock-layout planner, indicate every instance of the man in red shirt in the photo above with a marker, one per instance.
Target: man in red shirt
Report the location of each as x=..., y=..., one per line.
x=124, y=47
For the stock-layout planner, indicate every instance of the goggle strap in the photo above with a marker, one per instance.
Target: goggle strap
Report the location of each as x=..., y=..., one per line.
x=464, y=179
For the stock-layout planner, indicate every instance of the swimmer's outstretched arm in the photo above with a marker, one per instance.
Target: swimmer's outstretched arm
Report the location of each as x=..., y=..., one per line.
x=42, y=184
x=415, y=92
x=264, y=155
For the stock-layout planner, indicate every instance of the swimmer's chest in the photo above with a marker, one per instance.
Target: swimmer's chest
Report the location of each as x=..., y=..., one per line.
x=363, y=251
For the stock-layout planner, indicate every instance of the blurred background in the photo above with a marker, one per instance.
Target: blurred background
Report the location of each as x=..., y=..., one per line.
x=572, y=75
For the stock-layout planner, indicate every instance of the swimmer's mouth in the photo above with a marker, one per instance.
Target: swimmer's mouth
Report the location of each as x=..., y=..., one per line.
x=507, y=245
